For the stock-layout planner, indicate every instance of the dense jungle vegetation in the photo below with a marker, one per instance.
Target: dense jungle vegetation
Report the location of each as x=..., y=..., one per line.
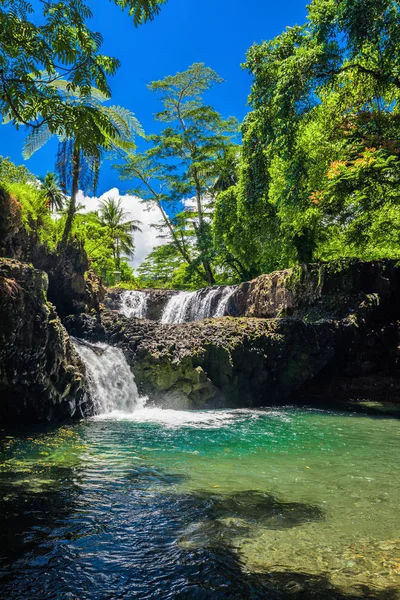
x=312, y=173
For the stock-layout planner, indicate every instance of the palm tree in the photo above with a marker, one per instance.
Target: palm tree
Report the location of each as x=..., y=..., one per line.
x=55, y=197
x=113, y=216
x=89, y=130
x=226, y=168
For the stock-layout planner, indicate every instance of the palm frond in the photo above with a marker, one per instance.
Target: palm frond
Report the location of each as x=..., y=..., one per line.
x=125, y=121
x=35, y=140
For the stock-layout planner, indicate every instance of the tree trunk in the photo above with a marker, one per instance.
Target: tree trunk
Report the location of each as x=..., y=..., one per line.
x=117, y=255
x=74, y=193
x=206, y=263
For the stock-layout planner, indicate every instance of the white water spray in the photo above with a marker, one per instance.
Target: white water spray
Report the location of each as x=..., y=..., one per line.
x=134, y=304
x=193, y=306
x=111, y=382
x=223, y=302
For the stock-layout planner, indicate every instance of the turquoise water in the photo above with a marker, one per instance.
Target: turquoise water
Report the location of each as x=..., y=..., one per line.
x=214, y=504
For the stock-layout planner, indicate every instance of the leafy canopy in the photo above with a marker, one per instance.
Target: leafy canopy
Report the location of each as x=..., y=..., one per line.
x=182, y=163
x=320, y=156
x=39, y=48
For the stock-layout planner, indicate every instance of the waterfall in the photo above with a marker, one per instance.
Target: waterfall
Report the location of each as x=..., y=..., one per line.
x=222, y=305
x=111, y=383
x=177, y=308
x=193, y=306
x=134, y=304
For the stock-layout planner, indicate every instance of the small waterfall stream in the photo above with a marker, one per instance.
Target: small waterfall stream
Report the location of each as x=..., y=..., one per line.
x=134, y=304
x=193, y=306
x=111, y=382
x=223, y=302
x=181, y=307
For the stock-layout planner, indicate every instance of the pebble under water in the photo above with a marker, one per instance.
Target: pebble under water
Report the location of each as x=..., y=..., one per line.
x=162, y=504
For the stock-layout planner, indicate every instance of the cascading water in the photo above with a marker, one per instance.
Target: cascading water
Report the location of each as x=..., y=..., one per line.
x=178, y=308
x=112, y=385
x=222, y=304
x=193, y=306
x=134, y=304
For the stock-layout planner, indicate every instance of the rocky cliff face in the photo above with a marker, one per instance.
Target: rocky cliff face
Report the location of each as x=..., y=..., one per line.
x=41, y=377
x=215, y=362
x=318, y=291
x=343, y=325
x=72, y=286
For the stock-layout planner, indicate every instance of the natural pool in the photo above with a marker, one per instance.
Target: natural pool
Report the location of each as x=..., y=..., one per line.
x=241, y=504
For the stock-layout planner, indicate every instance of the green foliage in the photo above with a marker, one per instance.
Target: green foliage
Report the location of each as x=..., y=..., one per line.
x=10, y=173
x=48, y=67
x=35, y=216
x=317, y=176
x=115, y=219
x=319, y=169
x=164, y=268
x=158, y=267
x=35, y=48
x=184, y=161
x=93, y=130
x=50, y=186
x=98, y=241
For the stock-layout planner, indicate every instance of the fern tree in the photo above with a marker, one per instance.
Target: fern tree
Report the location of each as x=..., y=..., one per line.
x=43, y=42
x=90, y=131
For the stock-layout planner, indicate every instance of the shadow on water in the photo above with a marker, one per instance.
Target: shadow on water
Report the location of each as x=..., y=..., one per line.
x=144, y=476
x=98, y=537
x=259, y=507
x=29, y=516
x=222, y=577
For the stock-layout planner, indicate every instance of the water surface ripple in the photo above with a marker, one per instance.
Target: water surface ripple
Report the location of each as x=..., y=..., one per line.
x=195, y=505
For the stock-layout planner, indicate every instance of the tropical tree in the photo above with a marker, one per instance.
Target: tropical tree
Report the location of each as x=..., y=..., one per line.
x=50, y=186
x=181, y=162
x=320, y=160
x=121, y=229
x=226, y=169
x=38, y=49
x=91, y=130
x=11, y=173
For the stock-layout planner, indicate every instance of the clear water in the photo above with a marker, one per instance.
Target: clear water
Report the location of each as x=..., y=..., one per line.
x=220, y=504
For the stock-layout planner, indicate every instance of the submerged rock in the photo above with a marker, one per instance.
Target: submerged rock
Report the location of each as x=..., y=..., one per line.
x=41, y=377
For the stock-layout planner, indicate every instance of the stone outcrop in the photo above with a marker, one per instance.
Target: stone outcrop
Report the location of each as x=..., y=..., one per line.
x=41, y=377
x=318, y=291
x=225, y=361
x=343, y=327
x=73, y=287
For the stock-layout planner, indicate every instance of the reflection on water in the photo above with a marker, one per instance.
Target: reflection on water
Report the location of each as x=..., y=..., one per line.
x=211, y=504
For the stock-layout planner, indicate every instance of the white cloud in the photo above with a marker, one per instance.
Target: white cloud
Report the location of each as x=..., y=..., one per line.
x=145, y=240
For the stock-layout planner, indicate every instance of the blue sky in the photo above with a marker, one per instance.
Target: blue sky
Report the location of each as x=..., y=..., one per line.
x=216, y=32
